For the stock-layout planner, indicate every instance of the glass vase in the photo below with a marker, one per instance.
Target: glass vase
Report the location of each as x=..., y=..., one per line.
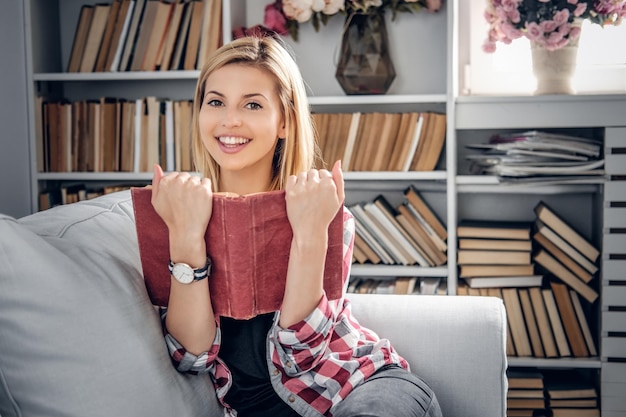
x=365, y=65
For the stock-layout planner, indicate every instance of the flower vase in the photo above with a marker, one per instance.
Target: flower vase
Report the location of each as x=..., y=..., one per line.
x=365, y=66
x=554, y=70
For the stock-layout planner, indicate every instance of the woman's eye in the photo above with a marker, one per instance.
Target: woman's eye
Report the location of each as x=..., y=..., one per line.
x=214, y=103
x=254, y=106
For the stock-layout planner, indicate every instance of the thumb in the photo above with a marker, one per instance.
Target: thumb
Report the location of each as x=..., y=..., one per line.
x=338, y=178
x=156, y=179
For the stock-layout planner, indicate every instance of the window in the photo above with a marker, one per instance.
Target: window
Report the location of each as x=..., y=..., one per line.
x=601, y=61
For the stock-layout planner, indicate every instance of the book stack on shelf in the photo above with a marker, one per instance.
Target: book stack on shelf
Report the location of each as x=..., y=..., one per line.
x=525, y=396
x=382, y=141
x=75, y=192
x=545, y=309
x=568, y=260
x=410, y=234
x=495, y=254
x=145, y=35
x=539, y=157
x=398, y=285
x=570, y=394
x=114, y=135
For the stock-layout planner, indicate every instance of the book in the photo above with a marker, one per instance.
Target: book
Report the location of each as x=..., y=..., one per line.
x=515, y=318
x=80, y=38
x=525, y=393
x=119, y=37
x=400, y=235
x=107, y=36
x=575, y=412
x=492, y=257
x=131, y=35
x=555, y=322
x=495, y=244
x=564, y=247
x=557, y=269
x=492, y=229
x=555, y=222
x=570, y=321
x=524, y=379
x=415, y=198
x=531, y=323
x=574, y=403
x=566, y=260
x=543, y=323
x=246, y=280
x=427, y=160
x=504, y=281
x=582, y=322
x=466, y=271
x=94, y=37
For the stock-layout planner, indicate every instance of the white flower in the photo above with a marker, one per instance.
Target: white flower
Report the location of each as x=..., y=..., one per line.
x=298, y=10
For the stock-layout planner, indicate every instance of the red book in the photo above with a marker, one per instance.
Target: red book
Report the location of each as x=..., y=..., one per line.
x=248, y=240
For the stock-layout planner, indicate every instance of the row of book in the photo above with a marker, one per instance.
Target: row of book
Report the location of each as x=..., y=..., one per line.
x=114, y=135
x=542, y=271
x=75, y=192
x=538, y=157
x=382, y=141
x=398, y=285
x=554, y=393
x=145, y=35
x=409, y=234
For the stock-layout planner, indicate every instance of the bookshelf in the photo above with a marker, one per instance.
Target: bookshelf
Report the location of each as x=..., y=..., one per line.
x=598, y=210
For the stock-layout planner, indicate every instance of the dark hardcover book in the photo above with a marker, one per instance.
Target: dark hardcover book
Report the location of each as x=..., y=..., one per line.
x=248, y=240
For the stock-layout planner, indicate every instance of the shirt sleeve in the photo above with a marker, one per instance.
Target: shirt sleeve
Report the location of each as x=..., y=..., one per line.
x=301, y=346
x=185, y=361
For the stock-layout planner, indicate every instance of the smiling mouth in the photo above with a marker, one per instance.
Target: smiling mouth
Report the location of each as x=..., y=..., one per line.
x=232, y=140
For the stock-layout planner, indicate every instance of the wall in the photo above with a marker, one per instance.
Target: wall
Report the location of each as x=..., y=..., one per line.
x=14, y=155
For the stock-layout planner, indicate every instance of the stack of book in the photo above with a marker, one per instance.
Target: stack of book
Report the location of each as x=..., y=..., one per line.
x=410, y=234
x=145, y=35
x=399, y=285
x=570, y=394
x=494, y=259
x=535, y=156
x=495, y=254
x=381, y=141
x=568, y=260
x=526, y=396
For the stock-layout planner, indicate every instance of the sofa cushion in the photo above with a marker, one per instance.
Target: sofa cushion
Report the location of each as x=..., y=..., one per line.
x=78, y=334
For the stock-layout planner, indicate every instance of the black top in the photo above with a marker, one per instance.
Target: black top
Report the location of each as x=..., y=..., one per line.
x=244, y=351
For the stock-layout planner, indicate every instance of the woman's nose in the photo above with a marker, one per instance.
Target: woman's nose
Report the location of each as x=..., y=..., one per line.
x=231, y=118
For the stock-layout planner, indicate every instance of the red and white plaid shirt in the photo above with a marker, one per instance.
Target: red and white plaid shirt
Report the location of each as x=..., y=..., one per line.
x=315, y=363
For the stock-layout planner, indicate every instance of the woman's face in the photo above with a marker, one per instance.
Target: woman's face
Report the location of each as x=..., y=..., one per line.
x=241, y=120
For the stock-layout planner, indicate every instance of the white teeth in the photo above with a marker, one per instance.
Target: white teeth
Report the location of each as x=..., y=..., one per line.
x=231, y=140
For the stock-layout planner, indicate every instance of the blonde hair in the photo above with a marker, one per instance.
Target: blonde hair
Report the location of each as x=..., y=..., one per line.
x=296, y=152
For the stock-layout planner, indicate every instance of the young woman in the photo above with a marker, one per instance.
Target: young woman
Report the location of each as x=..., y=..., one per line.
x=252, y=132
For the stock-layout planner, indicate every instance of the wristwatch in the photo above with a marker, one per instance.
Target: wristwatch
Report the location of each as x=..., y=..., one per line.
x=185, y=274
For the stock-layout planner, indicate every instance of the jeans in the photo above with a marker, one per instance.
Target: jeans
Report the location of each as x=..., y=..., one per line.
x=390, y=392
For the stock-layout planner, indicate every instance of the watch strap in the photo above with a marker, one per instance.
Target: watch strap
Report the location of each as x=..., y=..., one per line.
x=198, y=274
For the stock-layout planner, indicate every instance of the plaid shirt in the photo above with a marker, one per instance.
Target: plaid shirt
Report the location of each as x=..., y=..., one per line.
x=315, y=363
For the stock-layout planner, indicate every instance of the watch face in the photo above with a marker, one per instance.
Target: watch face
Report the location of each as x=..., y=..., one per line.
x=182, y=273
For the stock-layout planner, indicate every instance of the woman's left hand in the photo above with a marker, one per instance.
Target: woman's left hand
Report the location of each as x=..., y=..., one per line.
x=313, y=199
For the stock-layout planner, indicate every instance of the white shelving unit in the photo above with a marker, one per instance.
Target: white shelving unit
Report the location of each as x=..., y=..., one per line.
x=425, y=50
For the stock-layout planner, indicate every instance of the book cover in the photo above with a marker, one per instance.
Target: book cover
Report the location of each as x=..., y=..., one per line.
x=248, y=240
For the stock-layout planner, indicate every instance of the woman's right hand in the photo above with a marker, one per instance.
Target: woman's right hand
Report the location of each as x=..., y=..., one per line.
x=185, y=203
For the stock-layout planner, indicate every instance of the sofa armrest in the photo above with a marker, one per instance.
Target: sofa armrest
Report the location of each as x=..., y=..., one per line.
x=457, y=344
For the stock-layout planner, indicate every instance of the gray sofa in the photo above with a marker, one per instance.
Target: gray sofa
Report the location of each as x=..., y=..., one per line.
x=79, y=337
